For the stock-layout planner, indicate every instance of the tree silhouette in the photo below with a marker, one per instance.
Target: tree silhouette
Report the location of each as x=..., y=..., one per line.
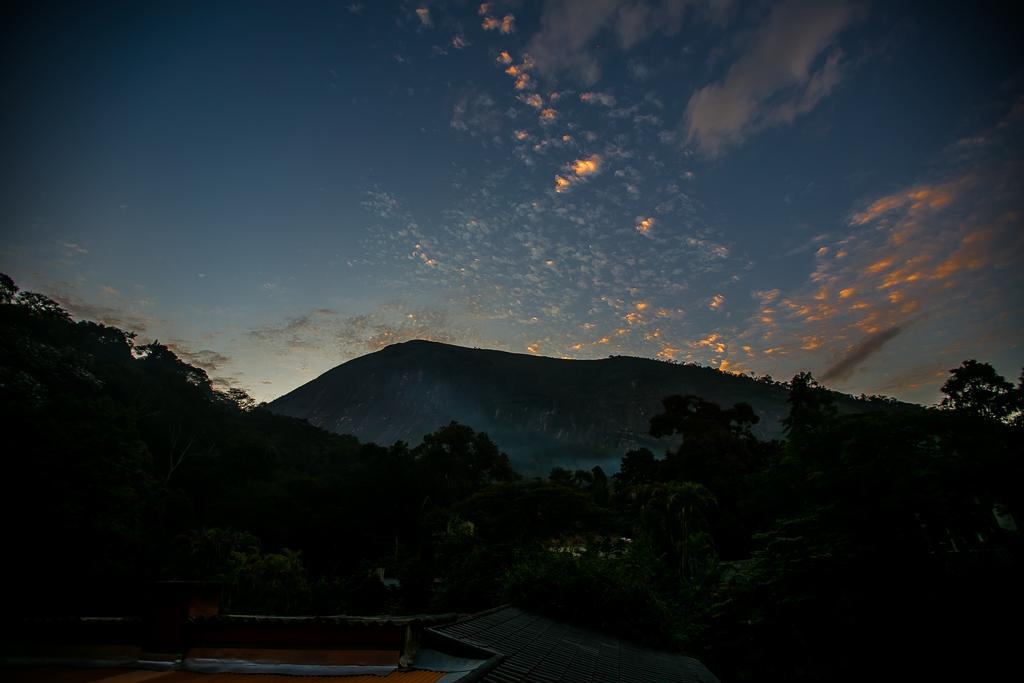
x=8, y=289
x=672, y=513
x=638, y=466
x=977, y=389
x=811, y=406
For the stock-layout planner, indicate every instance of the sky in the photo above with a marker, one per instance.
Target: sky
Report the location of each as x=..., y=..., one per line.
x=273, y=188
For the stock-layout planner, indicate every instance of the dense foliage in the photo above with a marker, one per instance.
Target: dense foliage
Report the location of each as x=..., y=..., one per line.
x=860, y=536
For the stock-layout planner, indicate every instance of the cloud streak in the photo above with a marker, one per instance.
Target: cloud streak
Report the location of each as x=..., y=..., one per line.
x=776, y=79
x=856, y=356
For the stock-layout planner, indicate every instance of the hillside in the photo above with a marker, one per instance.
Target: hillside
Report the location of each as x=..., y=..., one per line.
x=541, y=411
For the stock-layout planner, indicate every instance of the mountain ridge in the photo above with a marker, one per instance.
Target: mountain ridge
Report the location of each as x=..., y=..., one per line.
x=542, y=411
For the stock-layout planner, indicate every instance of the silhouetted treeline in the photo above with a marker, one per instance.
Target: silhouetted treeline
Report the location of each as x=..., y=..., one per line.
x=858, y=538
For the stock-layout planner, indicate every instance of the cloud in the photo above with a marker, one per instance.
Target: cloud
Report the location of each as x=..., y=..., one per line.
x=567, y=29
x=476, y=114
x=76, y=248
x=943, y=252
x=577, y=171
x=638, y=71
x=534, y=100
x=588, y=166
x=348, y=336
x=776, y=79
x=206, y=359
x=636, y=21
x=598, y=98
x=860, y=352
x=424, y=16
x=505, y=25
x=541, y=268
x=120, y=315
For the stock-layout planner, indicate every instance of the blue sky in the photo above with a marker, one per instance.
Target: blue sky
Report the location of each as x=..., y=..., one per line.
x=275, y=187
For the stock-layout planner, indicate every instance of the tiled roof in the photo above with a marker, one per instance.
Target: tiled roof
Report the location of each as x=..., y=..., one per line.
x=117, y=675
x=536, y=648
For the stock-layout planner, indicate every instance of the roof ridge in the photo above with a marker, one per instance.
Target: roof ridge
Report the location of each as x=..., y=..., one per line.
x=484, y=613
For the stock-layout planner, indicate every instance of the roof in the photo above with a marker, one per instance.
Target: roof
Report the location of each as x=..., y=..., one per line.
x=503, y=645
x=536, y=648
x=120, y=675
x=234, y=648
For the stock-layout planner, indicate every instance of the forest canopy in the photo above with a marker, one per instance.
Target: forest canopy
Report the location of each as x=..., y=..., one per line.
x=126, y=465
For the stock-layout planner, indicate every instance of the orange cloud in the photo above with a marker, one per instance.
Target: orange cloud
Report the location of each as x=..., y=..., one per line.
x=588, y=166
x=879, y=207
x=668, y=352
x=504, y=57
x=879, y=265
x=713, y=341
x=508, y=24
x=810, y=343
x=917, y=199
x=644, y=225
x=562, y=184
x=548, y=115
x=716, y=302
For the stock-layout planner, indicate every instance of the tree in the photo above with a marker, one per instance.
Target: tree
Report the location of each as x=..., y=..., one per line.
x=41, y=305
x=599, y=488
x=673, y=514
x=239, y=398
x=811, y=406
x=691, y=415
x=7, y=289
x=560, y=475
x=977, y=389
x=457, y=460
x=582, y=479
x=638, y=466
x=717, y=444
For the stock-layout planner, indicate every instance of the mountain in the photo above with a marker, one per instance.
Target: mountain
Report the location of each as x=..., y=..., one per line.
x=541, y=411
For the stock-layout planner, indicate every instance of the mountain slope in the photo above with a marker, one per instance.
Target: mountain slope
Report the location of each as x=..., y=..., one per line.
x=541, y=411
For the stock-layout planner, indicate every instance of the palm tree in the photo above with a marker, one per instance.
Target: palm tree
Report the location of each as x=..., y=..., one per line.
x=675, y=511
